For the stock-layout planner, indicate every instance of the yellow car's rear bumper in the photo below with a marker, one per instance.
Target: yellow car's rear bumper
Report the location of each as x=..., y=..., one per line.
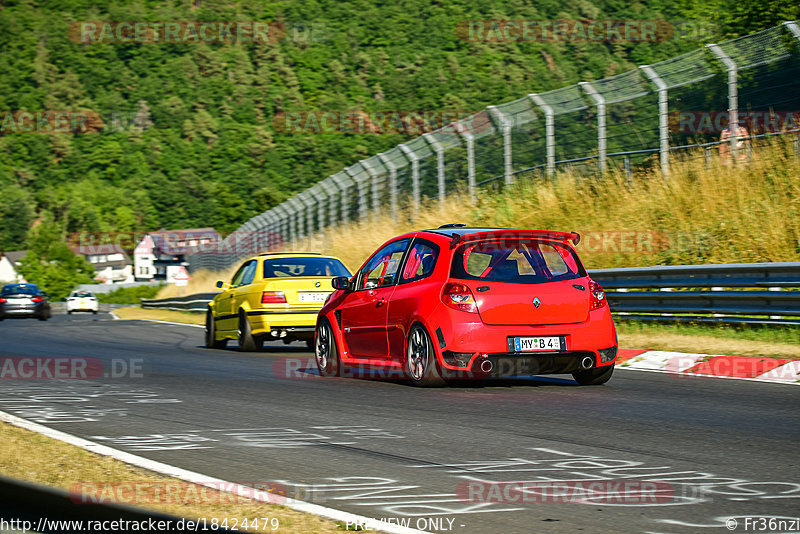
x=264, y=321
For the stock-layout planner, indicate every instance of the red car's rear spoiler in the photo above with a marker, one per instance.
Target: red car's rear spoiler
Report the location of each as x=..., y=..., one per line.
x=575, y=237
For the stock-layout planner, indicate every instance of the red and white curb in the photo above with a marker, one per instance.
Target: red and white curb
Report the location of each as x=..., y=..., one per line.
x=686, y=365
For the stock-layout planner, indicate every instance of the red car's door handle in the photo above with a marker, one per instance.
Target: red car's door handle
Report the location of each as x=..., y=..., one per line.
x=380, y=302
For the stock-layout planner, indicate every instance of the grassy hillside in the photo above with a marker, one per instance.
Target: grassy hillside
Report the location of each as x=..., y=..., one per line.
x=185, y=135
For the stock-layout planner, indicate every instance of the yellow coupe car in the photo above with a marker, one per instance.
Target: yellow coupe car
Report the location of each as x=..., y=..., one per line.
x=272, y=296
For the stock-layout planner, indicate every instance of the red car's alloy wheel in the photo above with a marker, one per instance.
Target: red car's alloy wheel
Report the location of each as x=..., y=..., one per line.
x=325, y=350
x=420, y=359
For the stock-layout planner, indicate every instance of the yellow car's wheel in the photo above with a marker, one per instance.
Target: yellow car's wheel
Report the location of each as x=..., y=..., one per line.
x=247, y=341
x=211, y=341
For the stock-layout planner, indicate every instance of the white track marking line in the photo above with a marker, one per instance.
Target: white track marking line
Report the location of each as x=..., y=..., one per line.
x=203, y=480
x=167, y=322
x=688, y=376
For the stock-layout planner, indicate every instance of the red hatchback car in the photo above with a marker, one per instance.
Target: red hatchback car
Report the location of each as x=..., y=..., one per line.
x=459, y=302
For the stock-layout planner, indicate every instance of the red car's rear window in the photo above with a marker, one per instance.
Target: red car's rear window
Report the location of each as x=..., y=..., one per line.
x=523, y=261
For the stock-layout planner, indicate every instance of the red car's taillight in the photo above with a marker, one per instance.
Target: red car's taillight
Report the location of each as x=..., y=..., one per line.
x=597, y=294
x=37, y=299
x=3, y=301
x=273, y=297
x=459, y=297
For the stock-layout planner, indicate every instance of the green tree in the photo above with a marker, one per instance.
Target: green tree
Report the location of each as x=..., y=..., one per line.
x=51, y=264
x=16, y=216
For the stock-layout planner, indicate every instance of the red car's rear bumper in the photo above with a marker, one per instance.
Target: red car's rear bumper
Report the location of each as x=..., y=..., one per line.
x=462, y=341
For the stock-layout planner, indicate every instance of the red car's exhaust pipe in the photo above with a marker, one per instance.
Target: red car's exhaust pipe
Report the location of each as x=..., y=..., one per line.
x=587, y=362
x=486, y=366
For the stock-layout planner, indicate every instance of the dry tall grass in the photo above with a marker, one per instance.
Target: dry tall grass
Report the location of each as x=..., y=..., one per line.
x=724, y=214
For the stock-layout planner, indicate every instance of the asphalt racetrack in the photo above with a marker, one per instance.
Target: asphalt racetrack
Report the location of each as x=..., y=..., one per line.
x=647, y=452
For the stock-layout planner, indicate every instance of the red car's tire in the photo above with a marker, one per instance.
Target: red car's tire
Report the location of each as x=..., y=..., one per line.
x=420, y=363
x=594, y=377
x=326, y=353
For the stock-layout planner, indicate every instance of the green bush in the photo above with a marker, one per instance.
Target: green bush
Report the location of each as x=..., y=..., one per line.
x=129, y=295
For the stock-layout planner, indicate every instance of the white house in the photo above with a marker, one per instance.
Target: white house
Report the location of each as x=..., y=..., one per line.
x=163, y=254
x=8, y=266
x=111, y=263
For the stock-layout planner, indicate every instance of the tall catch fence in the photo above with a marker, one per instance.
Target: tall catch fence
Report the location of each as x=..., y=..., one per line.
x=641, y=118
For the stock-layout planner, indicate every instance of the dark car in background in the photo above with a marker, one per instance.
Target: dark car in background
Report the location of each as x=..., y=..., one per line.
x=24, y=300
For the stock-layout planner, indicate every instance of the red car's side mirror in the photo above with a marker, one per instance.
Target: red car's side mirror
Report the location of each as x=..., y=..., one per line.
x=341, y=282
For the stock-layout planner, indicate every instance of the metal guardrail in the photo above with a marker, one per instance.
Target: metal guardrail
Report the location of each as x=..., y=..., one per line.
x=747, y=306
x=723, y=275
x=192, y=303
x=655, y=298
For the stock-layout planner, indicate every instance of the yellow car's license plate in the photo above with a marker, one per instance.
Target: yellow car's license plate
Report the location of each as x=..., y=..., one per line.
x=312, y=296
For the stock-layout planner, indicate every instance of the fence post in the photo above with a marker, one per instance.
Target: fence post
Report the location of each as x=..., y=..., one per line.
x=285, y=224
x=392, y=183
x=297, y=219
x=470, y=140
x=628, y=170
x=601, y=123
x=733, y=97
x=265, y=230
x=362, y=195
x=414, y=178
x=793, y=28
x=340, y=183
x=663, y=117
x=321, y=195
x=373, y=179
x=439, y=165
x=330, y=186
x=505, y=126
x=308, y=201
x=271, y=220
x=550, y=132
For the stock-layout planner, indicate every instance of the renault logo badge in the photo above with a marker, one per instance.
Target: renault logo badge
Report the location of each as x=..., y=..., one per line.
x=537, y=302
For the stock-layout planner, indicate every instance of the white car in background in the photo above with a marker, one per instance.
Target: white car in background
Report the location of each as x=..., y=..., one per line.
x=81, y=301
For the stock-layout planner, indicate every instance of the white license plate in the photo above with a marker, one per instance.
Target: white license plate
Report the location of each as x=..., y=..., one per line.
x=532, y=344
x=312, y=296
